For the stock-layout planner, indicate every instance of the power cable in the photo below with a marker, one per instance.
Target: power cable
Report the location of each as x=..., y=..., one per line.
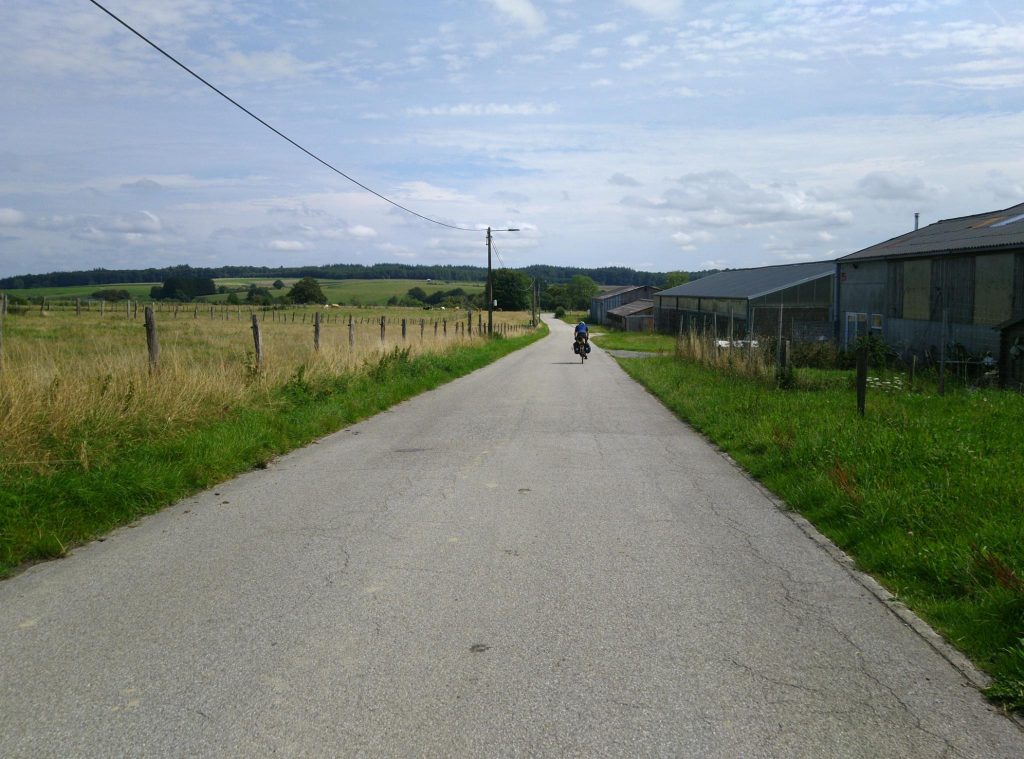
x=272, y=129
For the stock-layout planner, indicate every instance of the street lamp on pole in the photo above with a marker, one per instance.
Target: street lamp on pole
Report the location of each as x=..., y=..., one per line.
x=490, y=280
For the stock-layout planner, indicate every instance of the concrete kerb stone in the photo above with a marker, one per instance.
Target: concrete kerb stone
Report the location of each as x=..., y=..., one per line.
x=976, y=677
x=971, y=673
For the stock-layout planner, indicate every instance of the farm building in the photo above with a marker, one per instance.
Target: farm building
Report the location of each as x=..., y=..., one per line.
x=605, y=301
x=748, y=302
x=637, y=316
x=957, y=283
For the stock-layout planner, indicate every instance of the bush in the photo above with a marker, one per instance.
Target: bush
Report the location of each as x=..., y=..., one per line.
x=559, y=313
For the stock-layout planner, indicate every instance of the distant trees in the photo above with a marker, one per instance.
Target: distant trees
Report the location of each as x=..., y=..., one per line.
x=307, y=290
x=674, y=278
x=278, y=284
x=610, y=275
x=183, y=288
x=112, y=295
x=580, y=290
x=511, y=290
x=417, y=296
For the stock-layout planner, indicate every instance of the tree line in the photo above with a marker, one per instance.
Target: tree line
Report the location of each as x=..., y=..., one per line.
x=609, y=275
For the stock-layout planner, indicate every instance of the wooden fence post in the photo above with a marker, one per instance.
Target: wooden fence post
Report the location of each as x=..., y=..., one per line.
x=152, y=341
x=422, y=323
x=316, y=330
x=469, y=321
x=257, y=340
x=351, y=333
x=382, y=320
x=135, y=310
x=862, y=377
x=78, y=306
x=127, y=309
x=403, y=330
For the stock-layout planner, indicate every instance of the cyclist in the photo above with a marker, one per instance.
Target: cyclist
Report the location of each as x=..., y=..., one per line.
x=581, y=329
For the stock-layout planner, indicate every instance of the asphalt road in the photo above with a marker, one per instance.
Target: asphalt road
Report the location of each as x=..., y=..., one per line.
x=535, y=560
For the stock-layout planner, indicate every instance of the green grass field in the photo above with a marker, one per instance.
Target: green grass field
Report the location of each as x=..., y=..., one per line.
x=365, y=292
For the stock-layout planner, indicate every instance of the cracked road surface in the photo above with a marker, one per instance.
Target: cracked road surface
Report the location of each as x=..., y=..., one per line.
x=535, y=560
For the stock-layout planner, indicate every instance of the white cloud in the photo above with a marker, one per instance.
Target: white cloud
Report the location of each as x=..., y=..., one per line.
x=722, y=199
x=636, y=40
x=521, y=12
x=264, y=66
x=10, y=217
x=564, y=42
x=286, y=245
x=478, y=109
x=427, y=191
x=657, y=8
x=887, y=185
x=623, y=180
x=360, y=230
x=142, y=222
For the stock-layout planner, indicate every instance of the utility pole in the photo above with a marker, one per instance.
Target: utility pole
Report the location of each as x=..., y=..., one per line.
x=490, y=287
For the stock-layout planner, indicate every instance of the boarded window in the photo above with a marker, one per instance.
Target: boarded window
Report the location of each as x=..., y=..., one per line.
x=917, y=281
x=953, y=289
x=994, y=286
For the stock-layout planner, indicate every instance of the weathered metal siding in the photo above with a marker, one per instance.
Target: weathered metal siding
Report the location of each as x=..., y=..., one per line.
x=599, y=307
x=993, y=303
x=862, y=287
x=975, y=292
x=807, y=312
x=924, y=337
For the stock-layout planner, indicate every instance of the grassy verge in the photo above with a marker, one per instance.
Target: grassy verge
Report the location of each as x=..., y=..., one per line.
x=43, y=514
x=612, y=339
x=925, y=492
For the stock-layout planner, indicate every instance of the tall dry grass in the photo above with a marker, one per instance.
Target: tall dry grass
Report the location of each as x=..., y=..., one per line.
x=736, y=358
x=77, y=388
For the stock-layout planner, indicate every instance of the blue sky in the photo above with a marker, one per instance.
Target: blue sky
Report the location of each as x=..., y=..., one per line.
x=656, y=134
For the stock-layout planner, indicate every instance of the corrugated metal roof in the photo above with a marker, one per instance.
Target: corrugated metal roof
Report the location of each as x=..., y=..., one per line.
x=995, y=229
x=631, y=308
x=752, y=283
x=617, y=291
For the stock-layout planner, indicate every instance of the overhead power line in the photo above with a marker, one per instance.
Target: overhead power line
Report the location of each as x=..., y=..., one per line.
x=279, y=133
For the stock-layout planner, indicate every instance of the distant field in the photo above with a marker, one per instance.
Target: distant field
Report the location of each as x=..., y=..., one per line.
x=366, y=292
x=138, y=290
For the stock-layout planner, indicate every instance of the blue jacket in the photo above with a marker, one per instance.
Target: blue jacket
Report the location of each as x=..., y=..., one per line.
x=581, y=328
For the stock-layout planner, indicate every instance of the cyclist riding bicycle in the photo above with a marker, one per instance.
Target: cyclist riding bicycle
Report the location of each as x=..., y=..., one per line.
x=581, y=330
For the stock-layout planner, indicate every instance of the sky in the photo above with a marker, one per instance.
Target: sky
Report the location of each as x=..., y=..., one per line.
x=656, y=134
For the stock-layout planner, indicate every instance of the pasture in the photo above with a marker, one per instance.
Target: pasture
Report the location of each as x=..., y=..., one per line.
x=354, y=292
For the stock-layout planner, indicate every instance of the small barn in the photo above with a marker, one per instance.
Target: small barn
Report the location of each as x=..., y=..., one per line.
x=955, y=284
x=611, y=299
x=750, y=302
x=637, y=316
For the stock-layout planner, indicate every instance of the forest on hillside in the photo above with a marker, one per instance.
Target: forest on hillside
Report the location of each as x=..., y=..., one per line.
x=610, y=275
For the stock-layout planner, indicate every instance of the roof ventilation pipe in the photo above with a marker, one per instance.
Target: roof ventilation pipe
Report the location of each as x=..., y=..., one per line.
x=916, y=217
